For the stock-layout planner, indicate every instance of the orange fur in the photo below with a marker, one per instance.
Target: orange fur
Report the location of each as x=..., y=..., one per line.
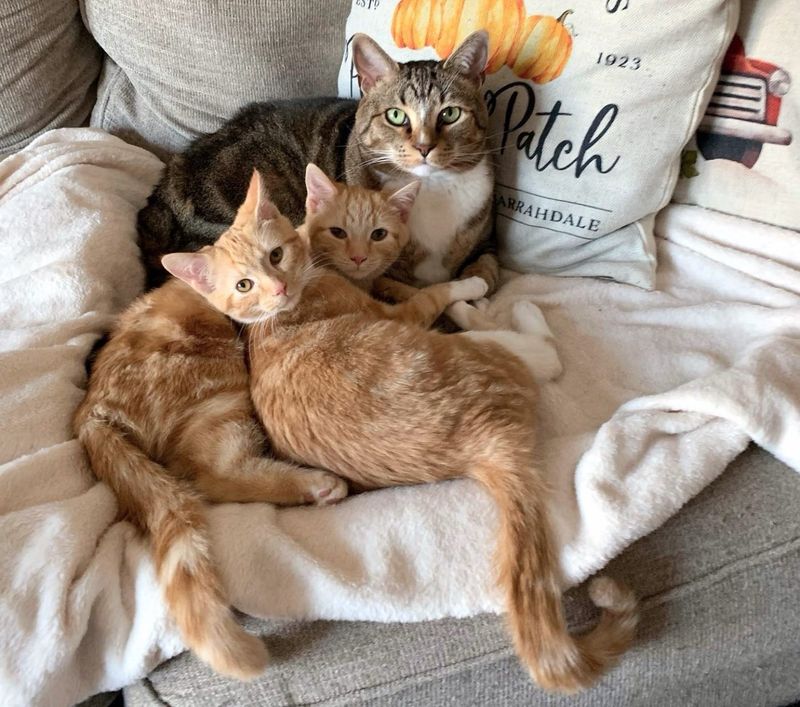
x=168, y=423
x=349, y=384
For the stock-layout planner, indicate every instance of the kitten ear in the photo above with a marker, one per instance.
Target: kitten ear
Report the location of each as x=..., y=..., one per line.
x=371, y=62
x=256, y=202
x=194, y=269
x=470, y=57
x=403, y=199
x=320, y=190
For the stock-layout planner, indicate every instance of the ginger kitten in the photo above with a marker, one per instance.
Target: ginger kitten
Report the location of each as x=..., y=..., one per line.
x=359, y=232
x=168, y=423
x=360, y=387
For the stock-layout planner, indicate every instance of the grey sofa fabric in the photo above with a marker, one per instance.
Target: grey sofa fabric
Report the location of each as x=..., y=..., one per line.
x=49, y=66
x=720, y=626
x=179, y=68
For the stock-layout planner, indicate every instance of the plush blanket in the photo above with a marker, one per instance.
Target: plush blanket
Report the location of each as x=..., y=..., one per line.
x=661, y=390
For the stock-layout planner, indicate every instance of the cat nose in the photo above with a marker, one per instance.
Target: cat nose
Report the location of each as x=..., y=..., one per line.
x=358, y=259
x=424, y=148
x=280, y=288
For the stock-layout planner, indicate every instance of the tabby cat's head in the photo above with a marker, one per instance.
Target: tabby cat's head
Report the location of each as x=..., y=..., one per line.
x=421, y=117
x=256, y=269
x=358, y=231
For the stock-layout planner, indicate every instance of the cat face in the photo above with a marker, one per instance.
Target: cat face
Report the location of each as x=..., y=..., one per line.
x=256, y=269
x=358, y=231
x=421, y=117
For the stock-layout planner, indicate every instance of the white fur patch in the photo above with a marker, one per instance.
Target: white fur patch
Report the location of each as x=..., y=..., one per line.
x=446, y=202
x=540, y=356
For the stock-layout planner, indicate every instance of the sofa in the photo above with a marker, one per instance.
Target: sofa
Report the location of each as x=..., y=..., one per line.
x=720, y=620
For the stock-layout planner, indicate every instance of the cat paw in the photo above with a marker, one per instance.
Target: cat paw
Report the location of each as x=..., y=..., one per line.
x=471, y=288
x=324, y=488
x=527, y=318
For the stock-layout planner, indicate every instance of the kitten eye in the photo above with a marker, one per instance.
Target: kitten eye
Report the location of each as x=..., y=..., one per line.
x=244, y=285
x=338, y=232
x=395, y=116
x=275, y=255
x=378, y=234
x=450, y=115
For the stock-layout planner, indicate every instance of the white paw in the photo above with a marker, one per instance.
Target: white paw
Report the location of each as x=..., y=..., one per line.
x=527, y=318
x=324, y=488
x=469, y=289
x=482, y=305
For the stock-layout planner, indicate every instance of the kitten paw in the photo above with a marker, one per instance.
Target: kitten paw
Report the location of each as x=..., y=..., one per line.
x=324, y=488
x=527, y=318
x=471, y=288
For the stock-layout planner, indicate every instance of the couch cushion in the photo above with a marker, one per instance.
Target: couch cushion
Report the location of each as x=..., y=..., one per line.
x=48, y=68
x=721, y=624
x=181, y=68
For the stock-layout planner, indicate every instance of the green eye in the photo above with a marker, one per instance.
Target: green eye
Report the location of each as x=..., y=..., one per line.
x=244, y=285
x=396, y=117
x=450, y=115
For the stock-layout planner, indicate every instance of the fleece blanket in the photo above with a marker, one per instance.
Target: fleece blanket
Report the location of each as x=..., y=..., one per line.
x=660, y=391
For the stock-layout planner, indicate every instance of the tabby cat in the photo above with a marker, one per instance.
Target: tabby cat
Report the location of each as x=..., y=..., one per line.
x=421, y=120
x=343, y=381
x=168, y=423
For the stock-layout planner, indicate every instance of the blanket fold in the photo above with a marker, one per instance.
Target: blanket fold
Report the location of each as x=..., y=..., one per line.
x=660, y=391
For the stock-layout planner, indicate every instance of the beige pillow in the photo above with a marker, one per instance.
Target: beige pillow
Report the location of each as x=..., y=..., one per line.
x=182, y=67
x=48, y=68
x=591, y=104
x=745, y=159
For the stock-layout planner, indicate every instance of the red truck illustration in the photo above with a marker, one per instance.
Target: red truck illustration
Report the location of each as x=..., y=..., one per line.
x=743, y=113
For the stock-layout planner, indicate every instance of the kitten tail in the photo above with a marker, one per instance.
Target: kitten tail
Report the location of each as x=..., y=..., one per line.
x=174, y=517
x=529, y=575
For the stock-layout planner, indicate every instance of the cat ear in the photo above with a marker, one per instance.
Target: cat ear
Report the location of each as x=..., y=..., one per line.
x=195, y=269
x=470, y=57
x=320, y=190
x=403, y=199
x=256, y=202
x=371, y=62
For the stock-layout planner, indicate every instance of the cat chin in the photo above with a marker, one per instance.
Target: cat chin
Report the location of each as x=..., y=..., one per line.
x=423, y=170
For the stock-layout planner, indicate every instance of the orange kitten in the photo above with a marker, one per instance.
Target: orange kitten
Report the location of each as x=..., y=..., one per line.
x=381, y=401
x=359, y=232
x=168, y=423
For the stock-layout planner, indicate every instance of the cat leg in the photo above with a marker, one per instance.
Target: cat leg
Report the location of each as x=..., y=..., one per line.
x=470, y=318
x=425, y=307
x=387, y=288
x=487, y=268
x=230, y=467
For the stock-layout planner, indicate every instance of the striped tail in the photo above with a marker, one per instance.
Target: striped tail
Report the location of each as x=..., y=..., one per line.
x=174, y=517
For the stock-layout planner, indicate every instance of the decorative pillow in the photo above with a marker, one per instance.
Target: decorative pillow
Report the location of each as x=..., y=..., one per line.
x=48, y=68
x=745, y=159
x=590, y=109
x=180, y=68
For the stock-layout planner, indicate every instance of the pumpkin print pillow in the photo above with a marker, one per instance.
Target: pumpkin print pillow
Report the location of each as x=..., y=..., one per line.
x=745, y=158
x=590, y=102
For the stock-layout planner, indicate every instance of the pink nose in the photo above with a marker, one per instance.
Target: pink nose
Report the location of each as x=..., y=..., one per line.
x=358, y=259
x=280, y=288
x=424, y=148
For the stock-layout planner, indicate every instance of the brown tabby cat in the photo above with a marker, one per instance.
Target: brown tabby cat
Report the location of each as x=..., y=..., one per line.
x=342, y=381
x=420, y=121
x=168, y=423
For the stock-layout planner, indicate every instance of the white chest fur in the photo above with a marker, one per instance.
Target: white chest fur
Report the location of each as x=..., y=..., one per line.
x=445, y=204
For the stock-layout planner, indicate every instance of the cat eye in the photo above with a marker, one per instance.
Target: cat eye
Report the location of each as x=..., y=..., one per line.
x=244, y=285
x=450, y=115
x=275, y=255
x=338, y=232
x=395, y=116
x=378, y=234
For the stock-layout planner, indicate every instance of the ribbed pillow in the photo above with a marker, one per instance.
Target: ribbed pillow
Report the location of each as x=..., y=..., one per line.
x=180, y=68
x=48, y=68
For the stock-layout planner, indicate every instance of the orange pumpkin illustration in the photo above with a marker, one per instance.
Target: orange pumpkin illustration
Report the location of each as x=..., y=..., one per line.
x=536, y=48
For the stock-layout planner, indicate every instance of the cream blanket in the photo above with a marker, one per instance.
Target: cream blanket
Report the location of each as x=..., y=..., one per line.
x=661, y=391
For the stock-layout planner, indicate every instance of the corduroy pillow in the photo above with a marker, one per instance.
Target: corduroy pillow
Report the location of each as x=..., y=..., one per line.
x=590, y=103
x=180, y=68
x=49, y=65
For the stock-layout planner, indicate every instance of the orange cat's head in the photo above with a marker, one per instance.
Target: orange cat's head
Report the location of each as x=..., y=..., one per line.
x=256, y=269
x=358, y=231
